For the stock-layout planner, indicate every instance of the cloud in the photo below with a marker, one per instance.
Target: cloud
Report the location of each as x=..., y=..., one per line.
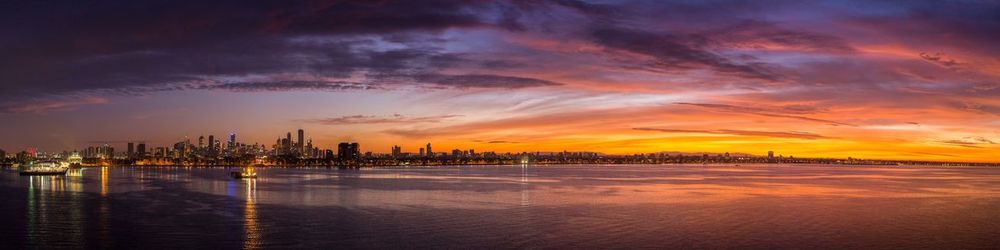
x=289, y=86
x=792, y=134
x=105, y=48
x=962, y=143
x=46, y=105
x=763, y=35
x=495, y=142
x=970, y=142
x=394, y=119
x=483, y=81
x=938, y=58
x=773, y=112
x=675, y=52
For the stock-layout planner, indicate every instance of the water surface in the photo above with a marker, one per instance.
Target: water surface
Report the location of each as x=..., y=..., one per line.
x=592, y=206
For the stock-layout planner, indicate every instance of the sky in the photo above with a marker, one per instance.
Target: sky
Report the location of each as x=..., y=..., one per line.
x=866, y=79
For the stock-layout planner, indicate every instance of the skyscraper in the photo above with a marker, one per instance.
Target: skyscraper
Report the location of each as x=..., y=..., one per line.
x=211, y=144
x=231, y=146
x=131, y=150
x=770, y=154
x=201, y=142
x=429, y=151
x=302, y=141
x=288, y=141
x=421, y=151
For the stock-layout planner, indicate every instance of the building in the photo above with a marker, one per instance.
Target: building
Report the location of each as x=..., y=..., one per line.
x=348, y=151
x=231, y=146
x=429, y=151
x=770, y=154
x=301, y=143
x=422, y=151
x=211, y=145
x=131, y=150
x=140, y=150
x=397, y=151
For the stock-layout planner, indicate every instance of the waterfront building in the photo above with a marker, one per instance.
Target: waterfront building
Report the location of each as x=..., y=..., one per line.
x=397, y=151
x=348, y=151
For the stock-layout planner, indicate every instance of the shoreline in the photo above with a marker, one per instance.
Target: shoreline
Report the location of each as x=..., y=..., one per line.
x=564, y=164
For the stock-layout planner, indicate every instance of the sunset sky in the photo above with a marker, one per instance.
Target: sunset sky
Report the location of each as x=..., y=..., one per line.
x=870, y=79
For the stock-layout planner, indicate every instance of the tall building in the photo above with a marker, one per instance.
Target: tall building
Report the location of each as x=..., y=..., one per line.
x=211, y=145
x=422, y=151
x=429, y=151
x=301, y=146
x=770, y=154
x=348, y=151
x=232, y=141
x=288, y=141
x=131, y=150
x=201, y=142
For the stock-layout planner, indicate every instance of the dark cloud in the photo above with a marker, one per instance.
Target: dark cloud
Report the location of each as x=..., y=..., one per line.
x=938, y=58
x=792, y=134
x=366, y=119
x=674, y=52
x=955, y=24
x=289, y=86
x=67, y=47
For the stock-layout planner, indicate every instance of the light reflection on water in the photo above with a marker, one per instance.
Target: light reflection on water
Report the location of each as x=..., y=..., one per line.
x=507, y=207
x=252, y=230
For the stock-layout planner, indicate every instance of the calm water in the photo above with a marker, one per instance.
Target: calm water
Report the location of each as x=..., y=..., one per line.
x=699, y=207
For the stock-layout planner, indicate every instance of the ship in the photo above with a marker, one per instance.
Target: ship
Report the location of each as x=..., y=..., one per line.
x=74, y=160
x=45, y=168
x=245, y=174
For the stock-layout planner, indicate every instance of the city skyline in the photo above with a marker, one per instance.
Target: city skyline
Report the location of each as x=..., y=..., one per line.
x=301, y=150
x=913, y=80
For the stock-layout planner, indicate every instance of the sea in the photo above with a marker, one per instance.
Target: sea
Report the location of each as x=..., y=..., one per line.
x=506, y=207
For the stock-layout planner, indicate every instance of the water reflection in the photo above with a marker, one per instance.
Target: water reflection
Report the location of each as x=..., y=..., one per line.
x=525, y=187
x=54, y=217
x=104, y=212
x=506, y=207
x=252, y=237
x=32, y=221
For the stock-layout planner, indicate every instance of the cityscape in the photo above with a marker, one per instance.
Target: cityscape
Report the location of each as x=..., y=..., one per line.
x=292, y=151
x=500, y=124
